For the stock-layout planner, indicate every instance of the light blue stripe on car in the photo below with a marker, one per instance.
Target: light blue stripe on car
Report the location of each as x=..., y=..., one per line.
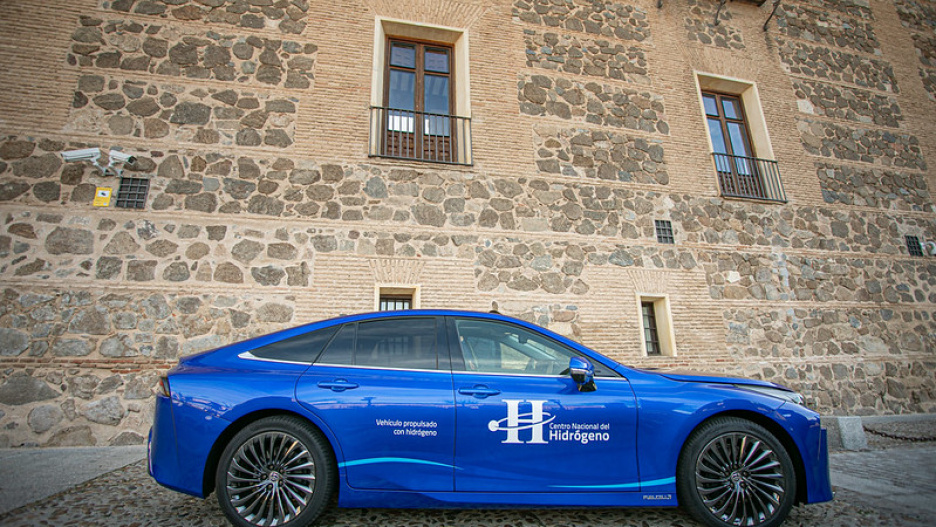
x=377, y=460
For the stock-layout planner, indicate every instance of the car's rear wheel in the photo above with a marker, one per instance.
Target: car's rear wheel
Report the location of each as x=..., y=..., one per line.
x=276, y=471
x=733, y=472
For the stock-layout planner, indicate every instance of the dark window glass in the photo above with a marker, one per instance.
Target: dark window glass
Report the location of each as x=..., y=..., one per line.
x=651, y=335
x=395, y=343
x=132, y=192
x=395, y=303
x=301, y=348
x=398, y=343
x=913, y=246
x=664, y=231
x=341, y=349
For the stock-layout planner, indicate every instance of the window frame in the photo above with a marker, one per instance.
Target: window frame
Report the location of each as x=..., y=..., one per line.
x=459, y=362
x=454, y=148
x=756, y=177
x=664, y=232
x=914, y=245
x=412, y=292
x=724, y=120
x=651, y=328
x=419, y=69
x=664, y=325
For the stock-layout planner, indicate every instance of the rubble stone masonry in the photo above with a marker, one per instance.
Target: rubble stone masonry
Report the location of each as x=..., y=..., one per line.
x=249, y=120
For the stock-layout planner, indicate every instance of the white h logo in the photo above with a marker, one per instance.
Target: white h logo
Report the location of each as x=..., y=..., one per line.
x=515, y=421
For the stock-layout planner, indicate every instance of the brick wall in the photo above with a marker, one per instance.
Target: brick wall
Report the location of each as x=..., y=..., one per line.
x=264, y=210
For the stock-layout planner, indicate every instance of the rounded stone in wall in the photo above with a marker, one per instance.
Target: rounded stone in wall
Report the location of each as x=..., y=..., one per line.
x=23, y=389
x=12, y=342
x=107, y=411
x=42, y=418
x=73, y=436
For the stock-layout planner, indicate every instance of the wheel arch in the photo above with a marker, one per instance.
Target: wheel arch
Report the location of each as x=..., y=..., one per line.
x=214, y=456
x=774, y=428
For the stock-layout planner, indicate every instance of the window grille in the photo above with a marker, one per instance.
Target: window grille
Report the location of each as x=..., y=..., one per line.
x=913, y=246
x=664, y=231
x=132, y=192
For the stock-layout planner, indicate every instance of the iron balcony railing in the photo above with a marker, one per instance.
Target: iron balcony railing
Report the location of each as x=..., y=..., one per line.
x=749, y=178
x=406, y=134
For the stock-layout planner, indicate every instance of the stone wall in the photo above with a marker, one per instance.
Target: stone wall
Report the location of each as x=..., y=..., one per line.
x=585, y=56
x=88, y=361
x=823, y=24
x=265, y=211
x=701, y=27
x=609, y=19
x=592, y=103
x=880, y=383
x=852, y=104
x=877, y=147
x=839, y=66
x=286, y=15
x=113, y=107
x=602, y=155
x=920, y=19
x=876, y=188
x=176, y=51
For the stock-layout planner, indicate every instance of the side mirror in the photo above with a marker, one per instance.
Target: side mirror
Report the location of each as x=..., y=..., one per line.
x=583, y=373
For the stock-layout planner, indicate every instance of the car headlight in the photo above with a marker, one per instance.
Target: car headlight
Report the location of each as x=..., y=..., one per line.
x=793, y=397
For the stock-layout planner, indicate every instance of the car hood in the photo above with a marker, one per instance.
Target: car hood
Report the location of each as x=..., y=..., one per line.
x=694, y=376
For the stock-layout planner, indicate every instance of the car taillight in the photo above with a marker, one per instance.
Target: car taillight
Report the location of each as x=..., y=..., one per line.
x=163, y=386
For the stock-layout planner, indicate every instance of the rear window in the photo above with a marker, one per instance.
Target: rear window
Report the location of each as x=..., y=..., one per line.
x=300, y=348
x=394, y=343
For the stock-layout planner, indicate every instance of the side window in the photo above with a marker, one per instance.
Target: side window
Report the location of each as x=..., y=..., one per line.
x=300, y=348
x=495, y=347
x=391, y=343
x=341, y=349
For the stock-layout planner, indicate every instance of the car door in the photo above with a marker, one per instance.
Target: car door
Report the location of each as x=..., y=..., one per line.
x=385, y=391
x=522, y=425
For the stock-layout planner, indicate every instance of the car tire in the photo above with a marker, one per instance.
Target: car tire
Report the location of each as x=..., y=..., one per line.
x=276, y=471
x=734, y=472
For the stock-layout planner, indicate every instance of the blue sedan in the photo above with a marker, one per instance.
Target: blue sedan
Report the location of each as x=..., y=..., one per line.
x=463, y=409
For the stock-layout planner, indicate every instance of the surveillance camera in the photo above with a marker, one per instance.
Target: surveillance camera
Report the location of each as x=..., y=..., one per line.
x=120, y=157
x=84, y=154
x=930, y=248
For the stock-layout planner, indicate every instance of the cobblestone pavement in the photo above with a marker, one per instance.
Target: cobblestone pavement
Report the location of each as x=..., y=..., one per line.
x=866, y=484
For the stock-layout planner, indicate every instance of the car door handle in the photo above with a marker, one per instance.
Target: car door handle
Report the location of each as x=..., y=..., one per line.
x=338, y=385
x=480, y=391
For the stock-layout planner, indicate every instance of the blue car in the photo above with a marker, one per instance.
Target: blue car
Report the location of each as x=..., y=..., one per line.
x=463, y=409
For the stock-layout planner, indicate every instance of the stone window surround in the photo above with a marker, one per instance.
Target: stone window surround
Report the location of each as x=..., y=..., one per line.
x=455, y=37
x=664, y=321
x=410, y=290
x=753, y=111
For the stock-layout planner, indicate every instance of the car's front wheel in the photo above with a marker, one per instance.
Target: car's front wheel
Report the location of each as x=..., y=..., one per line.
x=733, y=472
x=276, y=471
